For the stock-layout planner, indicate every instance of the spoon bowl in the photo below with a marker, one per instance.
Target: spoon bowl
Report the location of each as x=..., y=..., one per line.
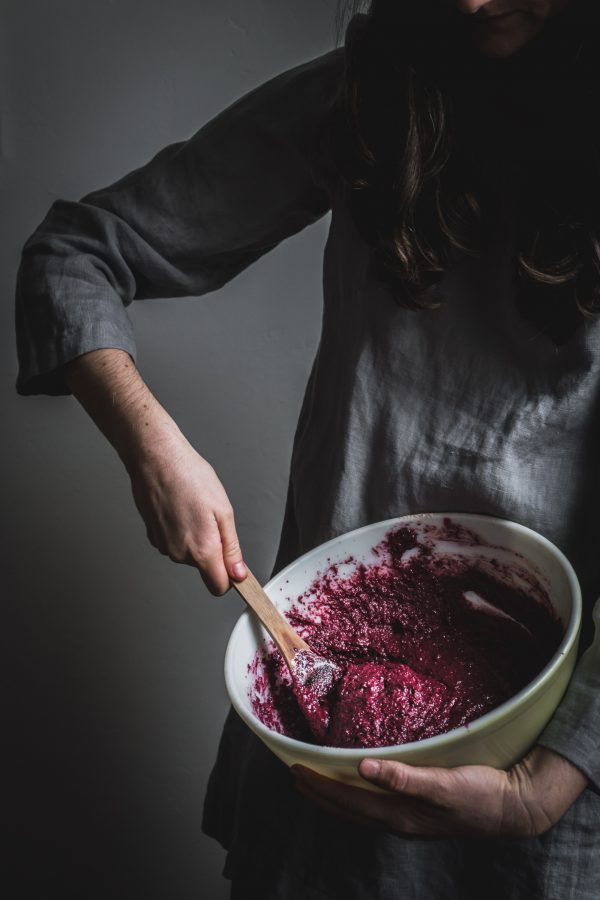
x=313, y=676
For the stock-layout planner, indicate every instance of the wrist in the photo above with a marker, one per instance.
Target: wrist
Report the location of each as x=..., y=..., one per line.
x=150, y=439
x=554, y=783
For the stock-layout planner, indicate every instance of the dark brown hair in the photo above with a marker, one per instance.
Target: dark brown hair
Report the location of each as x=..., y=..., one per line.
x=434, y=137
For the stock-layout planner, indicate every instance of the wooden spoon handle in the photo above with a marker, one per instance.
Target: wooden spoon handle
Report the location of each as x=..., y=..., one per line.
x=279, y=628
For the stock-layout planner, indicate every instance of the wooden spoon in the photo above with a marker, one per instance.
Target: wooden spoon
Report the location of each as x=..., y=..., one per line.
x=313, y=676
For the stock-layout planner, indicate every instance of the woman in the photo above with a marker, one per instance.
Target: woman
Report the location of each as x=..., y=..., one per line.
x=458, y=368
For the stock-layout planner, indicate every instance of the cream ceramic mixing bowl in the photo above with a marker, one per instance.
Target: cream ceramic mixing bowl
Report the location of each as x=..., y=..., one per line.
x=498, y=738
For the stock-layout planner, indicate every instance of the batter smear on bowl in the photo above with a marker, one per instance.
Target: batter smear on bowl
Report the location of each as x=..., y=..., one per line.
x=433, y=632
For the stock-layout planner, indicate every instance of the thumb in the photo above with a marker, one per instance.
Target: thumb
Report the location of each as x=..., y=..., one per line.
x=412, y=781
x=232, y=552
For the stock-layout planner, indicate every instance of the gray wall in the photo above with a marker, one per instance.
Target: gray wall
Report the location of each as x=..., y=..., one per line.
x=113, y=654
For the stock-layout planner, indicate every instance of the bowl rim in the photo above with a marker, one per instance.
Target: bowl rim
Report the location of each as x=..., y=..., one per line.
x=486, y=722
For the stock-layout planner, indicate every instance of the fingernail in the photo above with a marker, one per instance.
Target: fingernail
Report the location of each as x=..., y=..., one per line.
x=239, y=570
x=370, y=768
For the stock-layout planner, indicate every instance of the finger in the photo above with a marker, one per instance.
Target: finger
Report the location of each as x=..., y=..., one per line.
x=151, y=537
x=418, y=782
x=232, y=552
x=381, y=818
x=214, y=586
x=332, y=808
x=346, y=798
x=209, y=561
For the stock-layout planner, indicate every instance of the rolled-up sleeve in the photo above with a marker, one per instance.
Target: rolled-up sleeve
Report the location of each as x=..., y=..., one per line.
x=185, y=223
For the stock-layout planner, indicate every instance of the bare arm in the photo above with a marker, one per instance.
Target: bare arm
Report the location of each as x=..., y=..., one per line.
x=186, y=510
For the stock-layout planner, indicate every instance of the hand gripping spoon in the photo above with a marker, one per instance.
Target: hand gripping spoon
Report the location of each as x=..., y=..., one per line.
x=313, y=676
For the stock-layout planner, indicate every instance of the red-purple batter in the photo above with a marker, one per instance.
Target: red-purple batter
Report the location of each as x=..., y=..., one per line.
x=427, y=639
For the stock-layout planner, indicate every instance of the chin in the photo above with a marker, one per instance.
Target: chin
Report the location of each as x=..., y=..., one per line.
x=505, y=43
x=498, y=49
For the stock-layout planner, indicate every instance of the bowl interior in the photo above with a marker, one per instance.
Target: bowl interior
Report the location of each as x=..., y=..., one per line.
x=508, y=541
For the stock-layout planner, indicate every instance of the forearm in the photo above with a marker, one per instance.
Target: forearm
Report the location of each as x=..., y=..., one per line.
x=110, y=388
x=187, y=513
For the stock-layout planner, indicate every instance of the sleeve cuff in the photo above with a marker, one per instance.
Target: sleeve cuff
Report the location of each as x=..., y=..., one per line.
x=46, y=375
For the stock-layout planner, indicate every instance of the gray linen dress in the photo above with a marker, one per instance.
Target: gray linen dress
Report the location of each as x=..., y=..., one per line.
x=468, y=407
